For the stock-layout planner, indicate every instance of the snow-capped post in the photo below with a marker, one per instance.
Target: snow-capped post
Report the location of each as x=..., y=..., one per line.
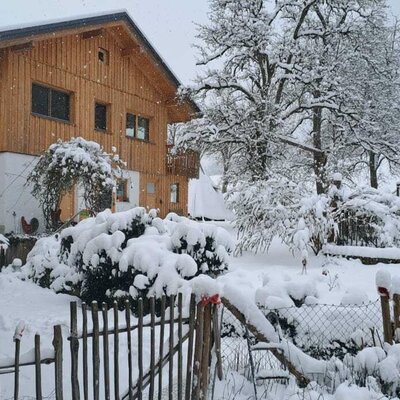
x=396, y=307
x=38, y=370
x=383, y=283
x=19, y=331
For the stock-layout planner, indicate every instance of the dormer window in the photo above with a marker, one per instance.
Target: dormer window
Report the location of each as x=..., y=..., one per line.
x=103, y=55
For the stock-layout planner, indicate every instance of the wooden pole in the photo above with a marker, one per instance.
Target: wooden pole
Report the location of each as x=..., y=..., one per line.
x=189, y=365
x=96, y=351
x=38, y=370
x=116, y=352
x=152, y=346
x=180, y=339
x=58, y=360
x=171, y=346
x=198, y=351
x=396, y=317
x=161, y=349
x=140, y=348
x=74, y=347
x=85, y=353
x=16, y=367
x=217, y=342
x=129, y=340
x=387, y=325
x=205, y=358
x=105, y=353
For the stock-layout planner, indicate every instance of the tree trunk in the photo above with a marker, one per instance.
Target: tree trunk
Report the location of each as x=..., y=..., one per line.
x=319, y=158
x=373, y=170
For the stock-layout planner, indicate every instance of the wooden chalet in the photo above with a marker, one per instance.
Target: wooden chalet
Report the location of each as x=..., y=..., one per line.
x=101, y=79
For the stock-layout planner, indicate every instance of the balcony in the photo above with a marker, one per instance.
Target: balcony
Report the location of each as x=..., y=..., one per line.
x=183, y=163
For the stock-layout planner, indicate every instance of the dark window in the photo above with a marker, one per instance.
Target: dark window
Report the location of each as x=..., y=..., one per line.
x=60, y=105
x=100, y=117
x=130, y=125
x=143, y=128
x=103, y=55
x=50, y=102
x=122, y=190
x=174, y=193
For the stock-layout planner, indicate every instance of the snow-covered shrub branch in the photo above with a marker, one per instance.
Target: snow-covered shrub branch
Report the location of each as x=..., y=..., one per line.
x=126, y=255
x=281, y=208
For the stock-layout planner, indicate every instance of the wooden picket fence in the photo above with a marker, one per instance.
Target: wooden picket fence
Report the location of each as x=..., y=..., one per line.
x=186, y=373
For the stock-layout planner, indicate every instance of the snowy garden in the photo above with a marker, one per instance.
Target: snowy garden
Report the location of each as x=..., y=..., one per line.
x=301, y=115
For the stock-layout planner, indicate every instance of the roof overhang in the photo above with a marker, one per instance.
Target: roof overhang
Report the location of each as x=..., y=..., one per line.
x=132, y=42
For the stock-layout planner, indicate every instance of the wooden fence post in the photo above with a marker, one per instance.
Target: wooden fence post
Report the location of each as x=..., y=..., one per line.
x=96, y=351
x=105, y=352
x=198, y=351
x=396, y=316
x=17, y=341
x=74, y=346
x=38, y=371
x=116, y=352
x=58, y=359
x=205, y=358
x=387, y=324
x=189, y=365
x=85, y=352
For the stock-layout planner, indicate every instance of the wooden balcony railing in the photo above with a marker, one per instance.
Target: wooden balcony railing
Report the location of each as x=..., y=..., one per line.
x=183, y=163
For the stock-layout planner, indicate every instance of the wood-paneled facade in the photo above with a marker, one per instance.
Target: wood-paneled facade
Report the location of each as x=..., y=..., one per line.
x=132, y=80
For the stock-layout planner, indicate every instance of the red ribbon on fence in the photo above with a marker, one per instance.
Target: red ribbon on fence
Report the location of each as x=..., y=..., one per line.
x=215, y=299
x=383, y=291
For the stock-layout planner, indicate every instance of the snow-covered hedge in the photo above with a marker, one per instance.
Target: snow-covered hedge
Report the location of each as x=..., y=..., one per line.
x=127, y=255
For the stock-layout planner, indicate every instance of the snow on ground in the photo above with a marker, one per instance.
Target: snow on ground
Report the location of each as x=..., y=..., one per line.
x=327, y=280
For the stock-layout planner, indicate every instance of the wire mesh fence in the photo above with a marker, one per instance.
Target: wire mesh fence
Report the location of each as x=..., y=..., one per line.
x=320, y=330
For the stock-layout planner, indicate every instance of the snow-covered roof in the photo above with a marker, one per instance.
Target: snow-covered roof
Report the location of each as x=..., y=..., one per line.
x=11, y=35
x=205, y=201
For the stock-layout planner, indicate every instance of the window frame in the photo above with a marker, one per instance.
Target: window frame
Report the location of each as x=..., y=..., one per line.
x=176, y=201
x=136, y=128
x=125, y=196
x=49, y=105
x=106, y=55
x=108, y=114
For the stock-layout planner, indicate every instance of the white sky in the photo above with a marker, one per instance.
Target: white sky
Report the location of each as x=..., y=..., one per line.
x=169, y=24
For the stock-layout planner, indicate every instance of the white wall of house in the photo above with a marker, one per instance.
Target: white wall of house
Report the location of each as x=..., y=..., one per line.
x=16, y=200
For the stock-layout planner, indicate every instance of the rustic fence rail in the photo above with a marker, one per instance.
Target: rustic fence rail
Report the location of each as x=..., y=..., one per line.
x=150, y=356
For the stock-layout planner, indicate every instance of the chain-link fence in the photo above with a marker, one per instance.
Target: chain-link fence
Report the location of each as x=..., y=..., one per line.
x=320, y=330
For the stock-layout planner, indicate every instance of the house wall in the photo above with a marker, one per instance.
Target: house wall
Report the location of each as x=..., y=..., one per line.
x=15, y=196
x=71, y=63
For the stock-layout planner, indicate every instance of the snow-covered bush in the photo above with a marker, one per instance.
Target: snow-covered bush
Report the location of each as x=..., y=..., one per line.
x=279, y=207
x=65, y=164
x=126, y=255
x=374, y=213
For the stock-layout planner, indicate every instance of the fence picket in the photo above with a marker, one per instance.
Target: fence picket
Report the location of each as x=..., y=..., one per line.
x=161, y=350
x=152, y=346
x=198, y=352
x=192, y=310
x=129, y=339
x=58, y=360
x=74, y=346
x=16, y=367
x=171, y=347
x=180, y=335
x=105, y=353
x=85, y=353
x=140, y=348
x=38, y=369
x=116, y=352
x=95, y=351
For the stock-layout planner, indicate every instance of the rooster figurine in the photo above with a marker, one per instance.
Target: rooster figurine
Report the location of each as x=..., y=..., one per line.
x=30, y=228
